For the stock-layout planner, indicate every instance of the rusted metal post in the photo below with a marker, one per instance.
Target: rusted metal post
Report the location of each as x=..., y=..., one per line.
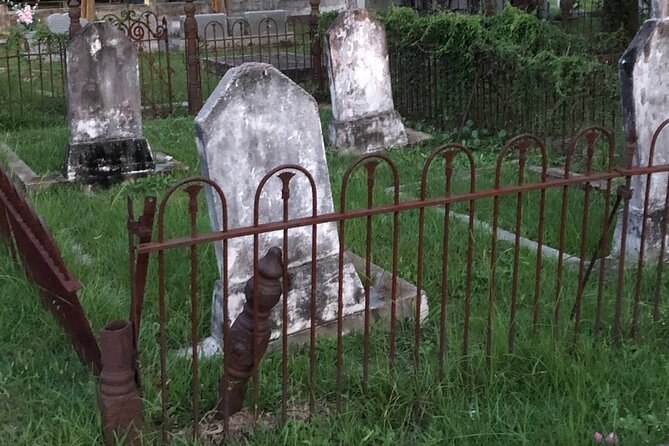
x=243, y=356
x=119, y=399
x=192, y=60
x=316, y=47
x=75, y=15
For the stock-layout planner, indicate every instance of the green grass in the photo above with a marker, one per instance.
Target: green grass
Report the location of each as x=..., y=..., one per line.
x=546, y=392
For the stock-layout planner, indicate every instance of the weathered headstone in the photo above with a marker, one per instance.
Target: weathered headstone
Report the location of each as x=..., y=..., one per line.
x=256, y=120
x=60, y=23
x=364, y=116
x=267, y=22
x=645, y=100
x=104, y=107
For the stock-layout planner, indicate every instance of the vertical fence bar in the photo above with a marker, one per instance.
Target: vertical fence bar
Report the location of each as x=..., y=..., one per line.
x=316, y=47
x=285, y=197
x=448, y=174
x=617, y=318
x=193, y=84
x=370, y=166
x=540, y=243
x=602, y=246
x=193, y=192
x=660, y=261
x=522, y=153
x=560, y=263
x=591, y=137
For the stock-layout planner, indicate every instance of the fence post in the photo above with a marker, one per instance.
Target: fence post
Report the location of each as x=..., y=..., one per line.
x=75, y=15
x=316, y=48
x=192, y=60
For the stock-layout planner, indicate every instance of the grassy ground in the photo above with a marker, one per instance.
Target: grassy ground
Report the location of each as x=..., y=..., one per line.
x=546, y=392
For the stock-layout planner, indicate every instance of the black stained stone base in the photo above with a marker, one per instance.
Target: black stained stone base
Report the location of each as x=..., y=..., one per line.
x=107, y=162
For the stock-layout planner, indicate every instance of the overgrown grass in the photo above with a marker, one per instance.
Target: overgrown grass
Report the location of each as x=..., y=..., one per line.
x=548, y=391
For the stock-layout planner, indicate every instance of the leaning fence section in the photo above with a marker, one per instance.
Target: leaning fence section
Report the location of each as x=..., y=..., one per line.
x=30, y=244
x=495, y=258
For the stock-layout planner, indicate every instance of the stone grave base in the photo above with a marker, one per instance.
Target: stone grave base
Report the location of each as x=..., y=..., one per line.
x=25, y=177
x=353, y=315
x=368, y=133
x=106, y=161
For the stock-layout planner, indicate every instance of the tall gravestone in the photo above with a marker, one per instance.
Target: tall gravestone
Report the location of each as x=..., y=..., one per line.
x=256, y=120
x=104, y=107
x=645, y=102
x=364, y=115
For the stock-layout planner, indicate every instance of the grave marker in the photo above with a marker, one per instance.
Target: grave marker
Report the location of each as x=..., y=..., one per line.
x=256, y=120
x=645, y=101
x=364, y=116
x=104, y=107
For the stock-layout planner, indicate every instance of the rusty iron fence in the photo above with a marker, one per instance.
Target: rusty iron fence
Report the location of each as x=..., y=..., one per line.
x=32, y=81
x=285, y=45
x=499, y=96
x=520, y=250
x=30, y=243
x=292, y=45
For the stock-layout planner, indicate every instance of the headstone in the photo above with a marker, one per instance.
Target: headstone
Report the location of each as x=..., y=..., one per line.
x=364, y=116
x=60, y=23
x=104, y=107
x=267, y=22
x=209, y=26
x=256, y=120
x=645, y=101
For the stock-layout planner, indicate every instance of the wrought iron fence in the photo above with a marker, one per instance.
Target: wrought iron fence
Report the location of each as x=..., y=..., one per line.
x=32, y=81
x=503, y=254
x=285, y=45
x=32, y=73
x=500, y=96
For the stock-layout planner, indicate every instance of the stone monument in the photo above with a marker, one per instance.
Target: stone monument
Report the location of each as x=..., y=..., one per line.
x=255, y=120
x=364, y=116
x=104, y=107
x=645, y=102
